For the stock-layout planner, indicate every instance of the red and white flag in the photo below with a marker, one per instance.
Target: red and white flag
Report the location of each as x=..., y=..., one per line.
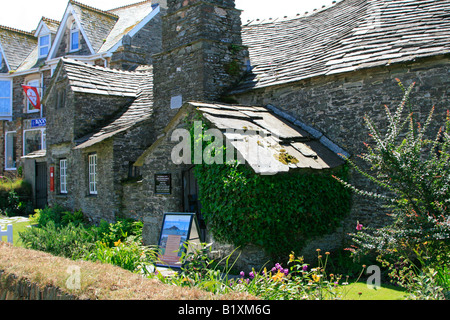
x=32, y=94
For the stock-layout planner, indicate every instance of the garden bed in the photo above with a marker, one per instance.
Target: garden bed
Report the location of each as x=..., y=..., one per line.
x=98, y=281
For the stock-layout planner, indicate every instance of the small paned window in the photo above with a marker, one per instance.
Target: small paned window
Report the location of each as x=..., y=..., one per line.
x=5, y=99
x=74, y=37
x=63, y=176
x=93, y=174
x=61, y=99
x=44, y=45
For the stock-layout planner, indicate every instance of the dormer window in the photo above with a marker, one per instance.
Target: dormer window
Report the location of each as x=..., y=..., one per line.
x=44, y=45
x=74, y=37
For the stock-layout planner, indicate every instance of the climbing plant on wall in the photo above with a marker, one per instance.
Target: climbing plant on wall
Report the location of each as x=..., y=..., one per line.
x=277, y=212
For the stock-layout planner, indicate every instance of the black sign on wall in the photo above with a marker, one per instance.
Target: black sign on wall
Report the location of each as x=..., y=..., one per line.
x=163, y=183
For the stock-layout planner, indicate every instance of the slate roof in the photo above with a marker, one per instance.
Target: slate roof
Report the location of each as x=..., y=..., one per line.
x=85, y=78
x=351, y=35
x=17, y=45
x=96, y=23
x=268, y=142
x=129, y=17
x=51, y=24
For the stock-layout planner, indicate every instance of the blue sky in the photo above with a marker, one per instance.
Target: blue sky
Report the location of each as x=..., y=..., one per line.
x=26, y=14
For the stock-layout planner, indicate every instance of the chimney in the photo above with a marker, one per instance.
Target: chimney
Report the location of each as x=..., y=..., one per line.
x=202, y=53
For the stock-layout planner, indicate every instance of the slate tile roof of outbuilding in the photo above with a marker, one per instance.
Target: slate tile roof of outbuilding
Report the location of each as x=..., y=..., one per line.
x=268, y=142
x=351, y=35
x=85, y=78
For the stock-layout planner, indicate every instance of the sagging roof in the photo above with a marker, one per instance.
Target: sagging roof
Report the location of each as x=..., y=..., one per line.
x=268, y=142
x=16, y=45
x=86, y=78
x=264, y=138
x=89, y=79
x=351, y=35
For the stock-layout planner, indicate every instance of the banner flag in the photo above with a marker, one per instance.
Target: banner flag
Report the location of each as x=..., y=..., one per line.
x=32, y=94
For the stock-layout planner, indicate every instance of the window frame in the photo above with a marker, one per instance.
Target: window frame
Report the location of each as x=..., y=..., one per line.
x=32, y=83
x=92, y=173
x=63, y=176
x=8, y=116
x=74, y=30
x=6, y=151
x=48, y=45
x=43, y=139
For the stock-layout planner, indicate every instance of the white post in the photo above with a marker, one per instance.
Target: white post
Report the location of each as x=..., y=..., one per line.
x=8, y=233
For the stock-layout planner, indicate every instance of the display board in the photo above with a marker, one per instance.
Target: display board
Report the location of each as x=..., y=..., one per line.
x=163, y=183
x=176, y=230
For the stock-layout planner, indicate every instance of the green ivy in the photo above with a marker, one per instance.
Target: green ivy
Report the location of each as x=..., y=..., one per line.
x=277, y=212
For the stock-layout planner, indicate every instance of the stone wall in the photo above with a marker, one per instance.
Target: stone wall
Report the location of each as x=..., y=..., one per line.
x=13, y=289
x=139, y=49
x=336, y=105
x=21, y=118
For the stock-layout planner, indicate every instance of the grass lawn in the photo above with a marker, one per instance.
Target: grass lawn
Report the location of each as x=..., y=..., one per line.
x=385, y=292
x=19, y=224
x=353, y=291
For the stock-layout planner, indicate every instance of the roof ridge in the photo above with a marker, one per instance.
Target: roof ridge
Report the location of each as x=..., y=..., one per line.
x=129, y=5
x=78, y=62
x=50, y=20
x=93, y=9
x=27, y=33
x=288, y=18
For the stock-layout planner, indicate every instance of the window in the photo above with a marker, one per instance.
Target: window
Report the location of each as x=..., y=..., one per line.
x=63, y=176
x=36, y=84
x=44, y=45
x=74, y=37
x=5, y=99
x=33, y=140
x=10, y=150
x=93, y=174
x=61, y=99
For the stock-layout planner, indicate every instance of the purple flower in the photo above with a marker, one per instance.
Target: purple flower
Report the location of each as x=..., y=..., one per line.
x=305, y=268
x=273, y=270
x=251, y=274
x=242, y=273
x=278, y=266
x=285, y=271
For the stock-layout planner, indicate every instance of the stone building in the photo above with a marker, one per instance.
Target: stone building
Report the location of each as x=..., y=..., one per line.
x=314, y=76
x=121, y=38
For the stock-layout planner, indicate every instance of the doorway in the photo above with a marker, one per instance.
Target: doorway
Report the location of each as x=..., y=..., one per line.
x=191, y=202
x=41, y=185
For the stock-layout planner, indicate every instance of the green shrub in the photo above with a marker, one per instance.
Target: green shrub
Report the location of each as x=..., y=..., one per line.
x=279, y=213
x=59, y=216
x=413, y=171
x=15, y=197
x=129, y=255
x=109, y=233
x=68, y=241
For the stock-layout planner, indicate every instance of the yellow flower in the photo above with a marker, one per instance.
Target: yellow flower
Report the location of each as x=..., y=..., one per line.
x=279, y=276
x=291, y=257
x=117, y=243
x=315, y=277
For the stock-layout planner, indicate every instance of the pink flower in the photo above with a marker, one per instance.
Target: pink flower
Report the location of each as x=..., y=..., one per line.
x=359, y=226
